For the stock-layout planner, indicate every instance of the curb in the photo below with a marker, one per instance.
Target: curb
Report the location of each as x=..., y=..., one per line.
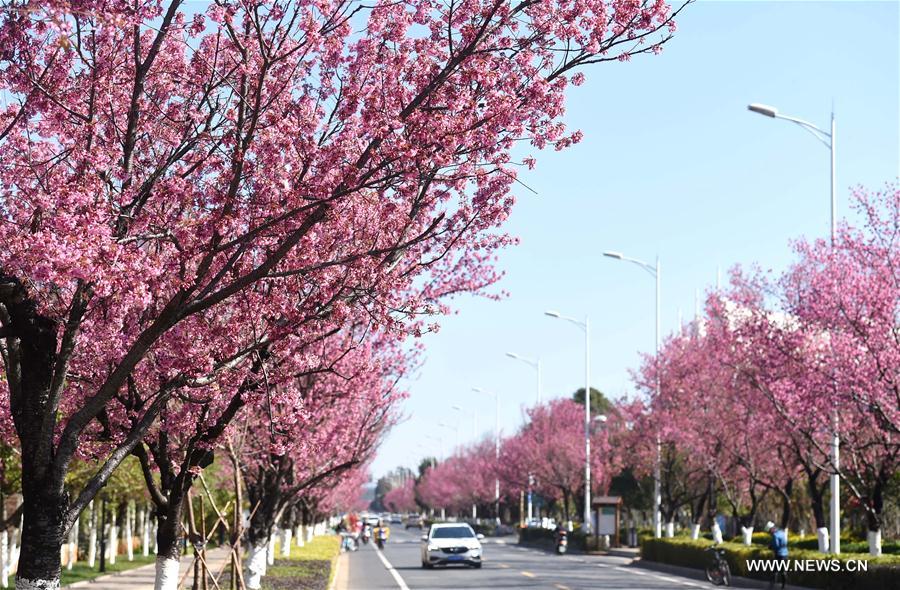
x=341, y=565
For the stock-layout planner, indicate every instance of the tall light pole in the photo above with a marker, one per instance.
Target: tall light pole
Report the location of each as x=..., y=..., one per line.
x=534, y=364
x=653, y=271
x=474, y=415
x=440, y=441
x=496, y=447
x=456, y=428
x=586, y=327
x=828, y=139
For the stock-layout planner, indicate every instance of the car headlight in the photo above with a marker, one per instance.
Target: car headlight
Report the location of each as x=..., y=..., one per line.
x=433, y=547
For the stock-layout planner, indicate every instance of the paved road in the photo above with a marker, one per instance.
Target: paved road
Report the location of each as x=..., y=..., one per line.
x=506, y=566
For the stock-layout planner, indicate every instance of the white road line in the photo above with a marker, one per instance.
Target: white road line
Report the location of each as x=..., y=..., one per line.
x=387, y=565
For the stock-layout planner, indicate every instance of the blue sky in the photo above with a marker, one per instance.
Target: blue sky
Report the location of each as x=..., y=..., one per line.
x=671, y=163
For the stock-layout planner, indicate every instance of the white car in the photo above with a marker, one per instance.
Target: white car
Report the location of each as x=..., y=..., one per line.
x=449, y=543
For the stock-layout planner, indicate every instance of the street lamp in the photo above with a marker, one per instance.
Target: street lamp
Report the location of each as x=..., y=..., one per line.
x=533, y=363
x=536, y=365
x=474, y=415
x=828, y=139
x=653, y=271
x=825, y=137
x=440, y=441
x=586, y=326
x=496, y=447
x=456, y=428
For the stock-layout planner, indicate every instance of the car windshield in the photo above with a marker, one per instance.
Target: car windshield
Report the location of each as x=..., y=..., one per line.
x=452, y=532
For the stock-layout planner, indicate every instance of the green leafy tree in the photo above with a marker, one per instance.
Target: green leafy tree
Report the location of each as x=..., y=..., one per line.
x=600, y=404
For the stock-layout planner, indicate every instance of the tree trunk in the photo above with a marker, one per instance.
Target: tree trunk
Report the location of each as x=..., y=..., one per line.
x=786, y=505
x=874, y=517
x=816, y=501
x=145, y=532
x=115, y=526
x=286, y=536
x=168, y=543
x=92, y=537
x=129, y=532
x=4, y=552
x=260, y=531
x=72, y=553
x=103, y=537
x=42, y=538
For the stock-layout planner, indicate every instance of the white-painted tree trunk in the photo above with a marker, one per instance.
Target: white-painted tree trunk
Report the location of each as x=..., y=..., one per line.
x=309, y=534
x=72, y=553
x=92, y=537
x=695, y=531
x=298, y=535
x=670, y=529
x=270, y=549
x=256, y=566
x=145, y=533
x=4, y=559
x=166, y=574
x=129, y=533
x=112, y=548
x=286, y=536
x=716, y=532
x=874, y=543
x=747, y=533
x=14, y=547
x=823, y=538
x=37, y=584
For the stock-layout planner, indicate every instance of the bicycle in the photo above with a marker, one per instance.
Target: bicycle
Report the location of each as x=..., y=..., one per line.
x=717, y=572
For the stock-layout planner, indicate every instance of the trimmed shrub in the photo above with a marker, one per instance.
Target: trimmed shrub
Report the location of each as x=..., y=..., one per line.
x=883, y=572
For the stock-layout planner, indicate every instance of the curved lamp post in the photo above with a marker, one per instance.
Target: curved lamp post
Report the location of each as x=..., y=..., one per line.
x=653, y=271
x=586, y=327
x=826, y=138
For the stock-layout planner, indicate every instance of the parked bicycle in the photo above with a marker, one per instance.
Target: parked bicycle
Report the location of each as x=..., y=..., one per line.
x=718, y=572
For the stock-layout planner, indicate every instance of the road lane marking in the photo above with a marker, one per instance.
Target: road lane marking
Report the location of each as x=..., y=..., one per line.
x=562, y=587
x=503, y=565
x=387, y=565
x=528, y=574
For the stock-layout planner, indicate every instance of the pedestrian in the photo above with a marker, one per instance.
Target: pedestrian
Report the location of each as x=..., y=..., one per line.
x=779, y=546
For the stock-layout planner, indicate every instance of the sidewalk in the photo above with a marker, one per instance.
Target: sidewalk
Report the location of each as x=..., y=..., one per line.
x=141, y=578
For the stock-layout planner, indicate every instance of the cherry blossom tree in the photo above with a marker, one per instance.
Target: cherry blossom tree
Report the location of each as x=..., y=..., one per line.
x=550, y=447
x=462, y=481
x=402, y=498
x=848, y=298
x=322, y=427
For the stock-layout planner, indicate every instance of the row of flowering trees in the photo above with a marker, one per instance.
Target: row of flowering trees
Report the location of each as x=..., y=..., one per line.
x=545, y=456
x=738, y=412
x=752, y=396
x=207, y=220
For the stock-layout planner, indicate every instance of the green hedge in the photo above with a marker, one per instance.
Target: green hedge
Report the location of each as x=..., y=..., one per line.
x=546, y=538
x=883, y=574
